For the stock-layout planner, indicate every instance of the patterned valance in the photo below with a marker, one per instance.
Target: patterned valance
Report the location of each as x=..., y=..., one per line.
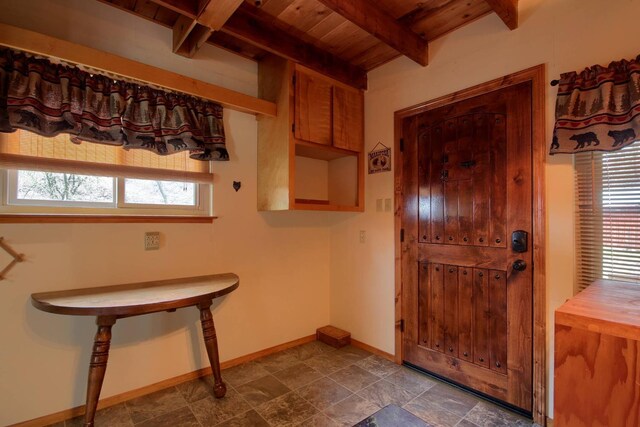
x=46, y=98
x=598, y=109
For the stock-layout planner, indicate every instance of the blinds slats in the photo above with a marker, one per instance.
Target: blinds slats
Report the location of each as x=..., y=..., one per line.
x=608, y=215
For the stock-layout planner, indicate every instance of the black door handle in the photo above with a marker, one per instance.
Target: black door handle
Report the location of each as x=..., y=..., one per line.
x=519, y=265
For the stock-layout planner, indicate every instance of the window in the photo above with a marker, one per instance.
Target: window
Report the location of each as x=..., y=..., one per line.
x=608, y=215
x=53, y=175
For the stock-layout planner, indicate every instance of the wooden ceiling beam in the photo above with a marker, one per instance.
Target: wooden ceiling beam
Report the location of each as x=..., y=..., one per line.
x=197, y=21
x=254, y=26
x=507, y=10
x=183, y=7
x=181, y=30
x=214, y=13
x=372, y=19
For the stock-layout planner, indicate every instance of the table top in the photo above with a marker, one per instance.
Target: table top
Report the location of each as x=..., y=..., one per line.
x=136, y=298
x=607, y=306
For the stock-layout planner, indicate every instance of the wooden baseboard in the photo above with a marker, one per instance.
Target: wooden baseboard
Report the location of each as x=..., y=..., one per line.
x=170, y=382
x=373, y=350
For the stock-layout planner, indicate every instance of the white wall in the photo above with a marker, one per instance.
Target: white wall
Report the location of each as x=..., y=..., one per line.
x=282, y=258
x=565, y=35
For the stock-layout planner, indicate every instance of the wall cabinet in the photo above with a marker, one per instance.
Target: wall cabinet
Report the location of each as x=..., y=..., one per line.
x=311, y=156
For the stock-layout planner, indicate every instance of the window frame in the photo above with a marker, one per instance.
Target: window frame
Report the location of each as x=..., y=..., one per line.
x=9, y=204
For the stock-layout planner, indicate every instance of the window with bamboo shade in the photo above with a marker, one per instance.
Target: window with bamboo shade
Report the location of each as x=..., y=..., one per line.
x=608, y=215
x=126, y=170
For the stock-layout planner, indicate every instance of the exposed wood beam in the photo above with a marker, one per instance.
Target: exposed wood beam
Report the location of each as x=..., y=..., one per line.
x=40, y=44
x=181, y=30
x=214, y=13
x=507, y=10
x=254, y=26
x=183, y=7
x=190, y=34
x=194, y=40
x=371, y=18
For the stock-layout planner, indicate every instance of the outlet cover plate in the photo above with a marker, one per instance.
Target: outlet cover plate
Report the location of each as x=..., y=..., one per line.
x=151, y=240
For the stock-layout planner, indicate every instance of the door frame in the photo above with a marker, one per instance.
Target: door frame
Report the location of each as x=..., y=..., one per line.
x=537, y=76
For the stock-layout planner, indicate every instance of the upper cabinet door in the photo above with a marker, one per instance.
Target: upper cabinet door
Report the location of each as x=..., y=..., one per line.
x=348, y=119
x=312, y=109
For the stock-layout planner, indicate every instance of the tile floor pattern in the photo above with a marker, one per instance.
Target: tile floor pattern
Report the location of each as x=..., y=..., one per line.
x=309, y=385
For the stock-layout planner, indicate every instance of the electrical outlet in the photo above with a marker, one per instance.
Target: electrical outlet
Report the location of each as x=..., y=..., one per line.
x=151, y=240
x=378, y=205
x=387, y=205
x=363, y=236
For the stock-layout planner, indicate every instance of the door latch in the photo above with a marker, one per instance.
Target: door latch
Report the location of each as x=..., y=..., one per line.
x=519, y=241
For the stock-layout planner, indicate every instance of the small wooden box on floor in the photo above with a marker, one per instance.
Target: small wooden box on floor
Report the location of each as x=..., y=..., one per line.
x=597, y=357
x=333, y=336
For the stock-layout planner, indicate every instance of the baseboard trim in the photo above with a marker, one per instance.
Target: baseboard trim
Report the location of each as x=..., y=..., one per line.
x=170, y=382
x=373, y=350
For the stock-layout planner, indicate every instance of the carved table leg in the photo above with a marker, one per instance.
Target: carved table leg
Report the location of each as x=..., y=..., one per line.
x=98, y=366
x=211, y=342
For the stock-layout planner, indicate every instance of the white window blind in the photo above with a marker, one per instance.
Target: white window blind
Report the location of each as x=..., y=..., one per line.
x=608, y=215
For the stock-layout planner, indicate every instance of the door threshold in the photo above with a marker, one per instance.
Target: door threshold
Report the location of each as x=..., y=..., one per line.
x=502, y=404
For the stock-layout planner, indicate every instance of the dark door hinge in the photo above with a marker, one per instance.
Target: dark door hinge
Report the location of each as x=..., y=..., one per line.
x=293, y=127
x=401, y=145
x=401, y=325
x=402, y=235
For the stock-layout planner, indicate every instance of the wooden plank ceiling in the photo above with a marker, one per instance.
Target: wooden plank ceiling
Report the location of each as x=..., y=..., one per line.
x=340, y=38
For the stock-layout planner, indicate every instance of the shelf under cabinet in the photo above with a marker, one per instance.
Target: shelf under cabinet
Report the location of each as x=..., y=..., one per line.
x=321, y=152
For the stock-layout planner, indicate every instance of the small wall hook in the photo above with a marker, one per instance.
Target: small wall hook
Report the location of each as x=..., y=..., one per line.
x=237, y=185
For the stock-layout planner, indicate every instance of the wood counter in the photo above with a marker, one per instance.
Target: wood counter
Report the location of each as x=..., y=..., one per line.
x=597, y=357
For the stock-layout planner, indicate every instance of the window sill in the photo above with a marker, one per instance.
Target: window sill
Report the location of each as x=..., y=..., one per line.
x=104, y=219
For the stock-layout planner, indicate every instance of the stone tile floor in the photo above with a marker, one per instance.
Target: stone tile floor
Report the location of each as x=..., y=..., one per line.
x=309, y=385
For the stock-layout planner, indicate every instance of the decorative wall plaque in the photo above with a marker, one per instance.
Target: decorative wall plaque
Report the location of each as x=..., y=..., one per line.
x=379, y=159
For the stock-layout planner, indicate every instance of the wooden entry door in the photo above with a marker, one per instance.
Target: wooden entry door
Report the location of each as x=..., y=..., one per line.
x=466, y=290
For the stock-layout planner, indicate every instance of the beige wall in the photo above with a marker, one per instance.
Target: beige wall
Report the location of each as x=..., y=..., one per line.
x=282, y=258
x=286, y=261
x=563, y=34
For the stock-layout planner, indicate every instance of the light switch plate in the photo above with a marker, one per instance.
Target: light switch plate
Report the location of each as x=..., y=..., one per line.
x=151, y=240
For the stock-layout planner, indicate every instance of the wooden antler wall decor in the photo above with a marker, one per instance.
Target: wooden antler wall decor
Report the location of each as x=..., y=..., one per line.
x=16, y=257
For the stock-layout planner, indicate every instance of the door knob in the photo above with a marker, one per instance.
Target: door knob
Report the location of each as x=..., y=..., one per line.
x=519, y=265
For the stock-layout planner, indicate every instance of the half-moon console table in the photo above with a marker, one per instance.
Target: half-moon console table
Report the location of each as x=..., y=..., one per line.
x=110, y=303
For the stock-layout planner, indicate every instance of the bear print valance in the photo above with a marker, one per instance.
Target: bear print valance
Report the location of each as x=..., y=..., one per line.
x=598, y=109
x=48, y=99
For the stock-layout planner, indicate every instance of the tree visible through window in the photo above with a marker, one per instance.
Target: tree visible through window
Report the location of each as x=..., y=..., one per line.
x=35, y=185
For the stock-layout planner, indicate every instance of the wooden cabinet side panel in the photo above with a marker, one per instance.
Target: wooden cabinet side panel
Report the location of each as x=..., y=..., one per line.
x=348, y=119
x=274, y=148
x=597, y=379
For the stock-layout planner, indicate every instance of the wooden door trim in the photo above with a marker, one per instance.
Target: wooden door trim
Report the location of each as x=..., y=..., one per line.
x=537, y=76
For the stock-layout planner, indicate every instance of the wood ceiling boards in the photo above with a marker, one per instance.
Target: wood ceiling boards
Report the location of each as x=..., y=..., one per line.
x=341, y=38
